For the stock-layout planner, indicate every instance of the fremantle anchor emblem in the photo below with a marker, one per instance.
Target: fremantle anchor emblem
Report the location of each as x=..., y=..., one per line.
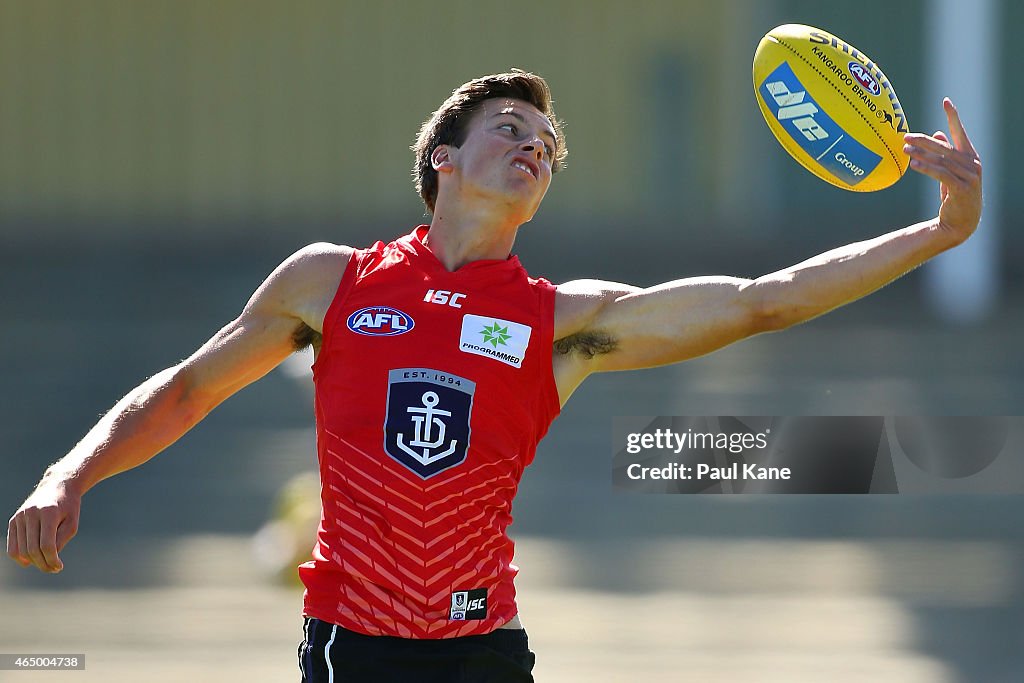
x=426, y=419
x=428, y=416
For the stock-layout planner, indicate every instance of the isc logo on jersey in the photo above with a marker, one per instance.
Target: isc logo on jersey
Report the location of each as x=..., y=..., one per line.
x=380, y=321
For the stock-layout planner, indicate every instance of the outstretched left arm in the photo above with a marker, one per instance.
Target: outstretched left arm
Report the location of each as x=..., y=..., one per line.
x=602, y=326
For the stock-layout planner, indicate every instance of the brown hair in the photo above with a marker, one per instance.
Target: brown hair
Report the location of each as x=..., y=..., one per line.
x=448, y=125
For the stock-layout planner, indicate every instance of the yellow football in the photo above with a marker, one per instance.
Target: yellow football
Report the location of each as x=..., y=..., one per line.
x=830, y=107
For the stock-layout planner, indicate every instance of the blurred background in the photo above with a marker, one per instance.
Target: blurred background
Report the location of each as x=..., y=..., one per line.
x=158, y=159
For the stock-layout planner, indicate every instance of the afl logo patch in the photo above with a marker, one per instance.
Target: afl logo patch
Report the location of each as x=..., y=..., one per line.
x=863, y=76
x=380, y=321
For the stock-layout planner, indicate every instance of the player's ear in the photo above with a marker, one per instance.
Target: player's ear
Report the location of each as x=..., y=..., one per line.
x=441, y=160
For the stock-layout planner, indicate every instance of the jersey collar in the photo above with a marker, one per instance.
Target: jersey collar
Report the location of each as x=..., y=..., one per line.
x=413, y=242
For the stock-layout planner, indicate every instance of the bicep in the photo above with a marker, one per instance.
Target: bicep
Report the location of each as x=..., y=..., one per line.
x=240, y=353
x=671, y=322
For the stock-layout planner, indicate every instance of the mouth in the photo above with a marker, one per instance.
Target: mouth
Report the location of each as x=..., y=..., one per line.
x=526, y=167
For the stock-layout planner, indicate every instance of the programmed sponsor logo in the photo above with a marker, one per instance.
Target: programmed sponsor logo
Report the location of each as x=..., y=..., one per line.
x=864, y=77
x=813, y=129
x=380, y=321
x=503, y=340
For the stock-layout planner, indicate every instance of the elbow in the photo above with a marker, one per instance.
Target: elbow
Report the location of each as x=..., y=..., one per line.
x=765, y=313
x=190, y=402
x=772, y=320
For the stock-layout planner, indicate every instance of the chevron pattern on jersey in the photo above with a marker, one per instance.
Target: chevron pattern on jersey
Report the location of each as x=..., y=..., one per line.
x=404, y=557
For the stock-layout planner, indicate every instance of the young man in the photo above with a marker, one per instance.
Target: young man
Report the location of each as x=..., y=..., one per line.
x=439, y=366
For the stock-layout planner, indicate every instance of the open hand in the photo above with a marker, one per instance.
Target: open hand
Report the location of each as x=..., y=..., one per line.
x=957, y=168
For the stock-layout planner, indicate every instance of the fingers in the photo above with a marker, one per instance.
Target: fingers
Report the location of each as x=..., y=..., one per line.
x=31, y=547
x=957, y=148
x=23, y=541
x=15, y=542
x=956, y=128
x=936, y=160
x=951, y=163
x=48, y=541
x=950, y=160
x=32, y=538
x=943, y=172
x=935, y=144
x=943, y=188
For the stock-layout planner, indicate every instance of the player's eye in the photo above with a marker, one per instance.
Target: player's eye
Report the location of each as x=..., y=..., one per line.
x=550, y=153
x=511, y=127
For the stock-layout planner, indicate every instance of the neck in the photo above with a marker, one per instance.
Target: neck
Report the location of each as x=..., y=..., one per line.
x=458, y=237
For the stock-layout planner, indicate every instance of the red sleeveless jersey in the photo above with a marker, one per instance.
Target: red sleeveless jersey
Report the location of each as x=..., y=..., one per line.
x=433, y=389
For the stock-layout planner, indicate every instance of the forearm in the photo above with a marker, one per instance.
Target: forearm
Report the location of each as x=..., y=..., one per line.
x=842, y=275
x=151, y=417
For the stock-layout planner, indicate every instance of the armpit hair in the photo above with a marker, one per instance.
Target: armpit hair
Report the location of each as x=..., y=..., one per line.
x=586, y=344
x=303, y=336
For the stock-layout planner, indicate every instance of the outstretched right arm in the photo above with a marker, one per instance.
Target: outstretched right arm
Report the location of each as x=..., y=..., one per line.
x=289, y=303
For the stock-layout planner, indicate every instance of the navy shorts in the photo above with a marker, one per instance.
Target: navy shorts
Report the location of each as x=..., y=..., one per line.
x=331, y=654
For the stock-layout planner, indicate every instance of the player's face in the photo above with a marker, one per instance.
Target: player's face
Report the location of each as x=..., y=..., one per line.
x=507, y=154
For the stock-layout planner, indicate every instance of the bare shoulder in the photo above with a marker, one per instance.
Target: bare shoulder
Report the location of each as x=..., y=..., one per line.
x=579, y=336
x=317, y=259
x=304, y=285
x=578, y=306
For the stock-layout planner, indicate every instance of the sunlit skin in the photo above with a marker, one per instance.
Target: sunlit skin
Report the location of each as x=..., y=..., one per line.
x=600, y=326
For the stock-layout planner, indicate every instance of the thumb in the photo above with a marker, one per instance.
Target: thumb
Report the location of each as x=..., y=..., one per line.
x=66, y=531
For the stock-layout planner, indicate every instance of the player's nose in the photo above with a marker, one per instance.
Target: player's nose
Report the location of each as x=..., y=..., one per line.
x=533, y=146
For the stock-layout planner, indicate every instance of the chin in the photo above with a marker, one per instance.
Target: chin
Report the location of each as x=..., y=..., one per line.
x=519, y=204
x=527, y=213
x=529, y=205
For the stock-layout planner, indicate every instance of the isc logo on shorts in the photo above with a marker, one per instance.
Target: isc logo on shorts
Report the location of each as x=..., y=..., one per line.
x=471, y=604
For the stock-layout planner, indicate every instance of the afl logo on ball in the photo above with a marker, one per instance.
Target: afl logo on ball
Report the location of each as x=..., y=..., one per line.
x=380, y=321
x=867, y=81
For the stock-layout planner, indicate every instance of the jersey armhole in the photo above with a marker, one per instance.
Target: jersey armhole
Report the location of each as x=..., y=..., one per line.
x=550, y=390
x=348, y=279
